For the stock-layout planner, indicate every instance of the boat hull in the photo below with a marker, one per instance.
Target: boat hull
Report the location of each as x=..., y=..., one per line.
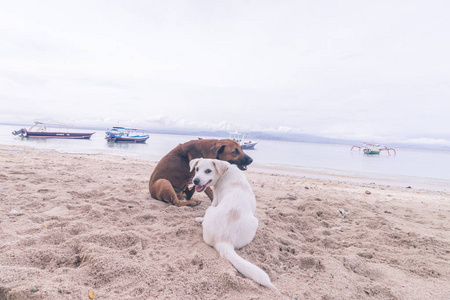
x=248, y=146
x=59, y=135
x=370, y=151
x=129, y=139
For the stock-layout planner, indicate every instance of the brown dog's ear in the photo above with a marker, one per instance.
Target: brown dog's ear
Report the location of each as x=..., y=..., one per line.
x=193, y=163
x=221, y=166
x=218, y=148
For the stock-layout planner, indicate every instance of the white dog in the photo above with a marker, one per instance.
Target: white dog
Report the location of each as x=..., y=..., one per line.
x=229, y=223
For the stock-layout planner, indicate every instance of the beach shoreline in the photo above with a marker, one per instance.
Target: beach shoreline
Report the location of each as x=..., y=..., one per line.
x=366, y=178
x=420, y=183
x=71, y=223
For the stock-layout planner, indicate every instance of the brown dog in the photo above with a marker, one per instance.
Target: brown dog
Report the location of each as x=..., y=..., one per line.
x=171, y=177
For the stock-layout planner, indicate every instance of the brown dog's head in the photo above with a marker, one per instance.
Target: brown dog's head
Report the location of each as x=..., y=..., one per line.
x=231, y=152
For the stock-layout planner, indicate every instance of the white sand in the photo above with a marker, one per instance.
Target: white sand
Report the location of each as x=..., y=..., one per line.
x=74, y=223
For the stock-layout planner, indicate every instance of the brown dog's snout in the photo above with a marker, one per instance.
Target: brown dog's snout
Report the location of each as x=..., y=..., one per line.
x=246, y=160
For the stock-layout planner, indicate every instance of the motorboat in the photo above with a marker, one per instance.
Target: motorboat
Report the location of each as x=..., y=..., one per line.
x=51, y=130
x=124, y=134
x=243, y=140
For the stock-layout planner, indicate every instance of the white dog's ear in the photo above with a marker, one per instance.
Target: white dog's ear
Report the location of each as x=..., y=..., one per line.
x=193, y=163
x=221, y=166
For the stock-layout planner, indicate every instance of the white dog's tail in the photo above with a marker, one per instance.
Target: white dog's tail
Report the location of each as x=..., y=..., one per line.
x=246, y=268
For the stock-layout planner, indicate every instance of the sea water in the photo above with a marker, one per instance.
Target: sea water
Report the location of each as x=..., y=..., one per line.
x=417, y=168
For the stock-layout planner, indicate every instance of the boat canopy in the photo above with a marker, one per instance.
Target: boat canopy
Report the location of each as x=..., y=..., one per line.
x=126, y=128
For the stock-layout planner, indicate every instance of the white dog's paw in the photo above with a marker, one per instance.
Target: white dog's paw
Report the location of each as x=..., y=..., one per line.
x=199, y=219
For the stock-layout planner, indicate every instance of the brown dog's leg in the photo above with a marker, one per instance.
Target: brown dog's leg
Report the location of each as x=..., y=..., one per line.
x=162, y=190
x=209, y=192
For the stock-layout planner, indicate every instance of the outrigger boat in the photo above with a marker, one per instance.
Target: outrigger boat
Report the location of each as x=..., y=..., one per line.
x=52, y=130
x=373, y=149
x=123, y=134
x=240, y=138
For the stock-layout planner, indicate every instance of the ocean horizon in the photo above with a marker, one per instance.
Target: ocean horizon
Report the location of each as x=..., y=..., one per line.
x=411, y=167
x=428, y=143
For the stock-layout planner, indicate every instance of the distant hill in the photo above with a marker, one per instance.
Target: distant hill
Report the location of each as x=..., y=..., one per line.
x=295, y=137
x=292, y=137
x=276, y=136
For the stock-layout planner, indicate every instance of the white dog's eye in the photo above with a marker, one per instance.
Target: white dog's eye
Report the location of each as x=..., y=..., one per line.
x=196, y=169
x=208, y=171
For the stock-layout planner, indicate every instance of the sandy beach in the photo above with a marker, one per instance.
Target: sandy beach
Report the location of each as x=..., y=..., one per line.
x=72, y=223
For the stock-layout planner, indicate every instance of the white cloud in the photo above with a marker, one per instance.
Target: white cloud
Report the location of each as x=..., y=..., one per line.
x=345, y=69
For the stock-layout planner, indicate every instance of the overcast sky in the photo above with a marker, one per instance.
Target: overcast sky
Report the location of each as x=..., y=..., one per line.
x=363, y=70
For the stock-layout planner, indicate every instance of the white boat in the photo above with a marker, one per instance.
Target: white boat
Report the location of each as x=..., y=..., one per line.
x=243, y=140
x=52, y=130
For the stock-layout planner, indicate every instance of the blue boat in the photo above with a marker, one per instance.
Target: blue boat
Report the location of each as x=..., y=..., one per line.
x=123, y=134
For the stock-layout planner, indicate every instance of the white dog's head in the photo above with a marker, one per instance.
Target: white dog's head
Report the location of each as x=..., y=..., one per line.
x=207, y=172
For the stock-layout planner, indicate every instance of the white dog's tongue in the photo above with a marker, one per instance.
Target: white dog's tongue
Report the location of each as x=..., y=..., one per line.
x=199, y=188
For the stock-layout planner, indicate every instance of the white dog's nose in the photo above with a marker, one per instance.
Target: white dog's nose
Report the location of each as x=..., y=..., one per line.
x=196, y=181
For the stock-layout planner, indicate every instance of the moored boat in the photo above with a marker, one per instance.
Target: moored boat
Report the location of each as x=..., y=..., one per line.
x=370, y=149
x=243, y=140
x=123, y=134
x=52, y=130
